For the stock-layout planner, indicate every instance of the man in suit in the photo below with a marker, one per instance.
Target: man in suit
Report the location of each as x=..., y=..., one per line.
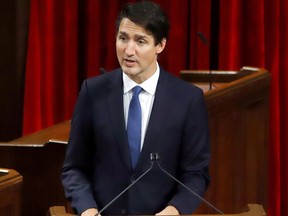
x=100, y=162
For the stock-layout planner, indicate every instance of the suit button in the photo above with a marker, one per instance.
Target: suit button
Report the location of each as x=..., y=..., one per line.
x=123, y=211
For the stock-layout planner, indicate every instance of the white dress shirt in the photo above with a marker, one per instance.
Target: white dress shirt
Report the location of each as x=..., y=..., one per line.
x=146, y=98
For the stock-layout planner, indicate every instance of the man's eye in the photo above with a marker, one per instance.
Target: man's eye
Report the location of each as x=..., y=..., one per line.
x=141, y=42
x=121, y=38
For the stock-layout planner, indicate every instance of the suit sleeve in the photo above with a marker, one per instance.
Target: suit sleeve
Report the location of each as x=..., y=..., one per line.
x=77, y=164
x=195, y=156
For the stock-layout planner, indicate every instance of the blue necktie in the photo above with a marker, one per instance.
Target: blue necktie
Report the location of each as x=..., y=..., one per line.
x=134, y=125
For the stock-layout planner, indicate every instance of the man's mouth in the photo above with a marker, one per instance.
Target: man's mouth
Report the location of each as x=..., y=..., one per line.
x=129, y=62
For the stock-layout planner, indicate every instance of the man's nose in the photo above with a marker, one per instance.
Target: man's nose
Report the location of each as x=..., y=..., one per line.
x=130, y=49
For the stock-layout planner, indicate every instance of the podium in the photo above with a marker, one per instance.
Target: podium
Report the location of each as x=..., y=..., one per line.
x=238, y=106
x=10, y=192
x=39, y=158
x=252, y=210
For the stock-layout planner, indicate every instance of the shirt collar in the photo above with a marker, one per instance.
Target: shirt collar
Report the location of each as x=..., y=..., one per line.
x=148, y=85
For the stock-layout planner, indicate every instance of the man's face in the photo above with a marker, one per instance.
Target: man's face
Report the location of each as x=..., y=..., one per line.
x=136, y=51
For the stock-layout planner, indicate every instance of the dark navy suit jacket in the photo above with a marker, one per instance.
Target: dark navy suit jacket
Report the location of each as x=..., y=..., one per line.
x=97, y=166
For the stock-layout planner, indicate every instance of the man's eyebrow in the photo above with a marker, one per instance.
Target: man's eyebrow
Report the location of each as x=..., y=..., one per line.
x=122, y=33
x=141, y=36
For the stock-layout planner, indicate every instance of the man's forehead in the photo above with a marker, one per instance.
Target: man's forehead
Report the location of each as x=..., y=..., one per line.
x=127, y=27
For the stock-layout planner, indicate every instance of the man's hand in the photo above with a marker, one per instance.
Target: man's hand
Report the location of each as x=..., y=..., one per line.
x=169, y=210
x=90, y=212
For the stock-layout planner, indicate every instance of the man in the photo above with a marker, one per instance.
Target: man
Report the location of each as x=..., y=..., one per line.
x=100, y=162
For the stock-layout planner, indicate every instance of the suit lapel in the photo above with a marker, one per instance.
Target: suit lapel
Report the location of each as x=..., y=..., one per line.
x=158, y=117
x=116, y=111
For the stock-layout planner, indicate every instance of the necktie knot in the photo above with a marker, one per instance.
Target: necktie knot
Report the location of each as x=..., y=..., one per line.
x=136, y=91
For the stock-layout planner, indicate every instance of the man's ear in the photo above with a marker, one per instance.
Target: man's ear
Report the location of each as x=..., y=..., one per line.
x=160, y=47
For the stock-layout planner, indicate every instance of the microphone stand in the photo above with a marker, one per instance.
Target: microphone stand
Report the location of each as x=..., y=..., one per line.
x=152, y=159
x=157, y=158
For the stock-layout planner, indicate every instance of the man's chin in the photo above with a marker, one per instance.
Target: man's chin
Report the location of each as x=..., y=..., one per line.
x=129, y=71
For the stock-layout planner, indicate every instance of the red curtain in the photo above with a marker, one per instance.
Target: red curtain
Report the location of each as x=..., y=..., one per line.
x=51, y=83
x=70, y=40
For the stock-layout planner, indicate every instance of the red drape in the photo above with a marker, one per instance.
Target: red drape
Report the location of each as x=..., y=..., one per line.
x=70, y=40
x=51, y=71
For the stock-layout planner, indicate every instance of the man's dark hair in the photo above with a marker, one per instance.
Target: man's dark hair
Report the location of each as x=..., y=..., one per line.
x=149, y=15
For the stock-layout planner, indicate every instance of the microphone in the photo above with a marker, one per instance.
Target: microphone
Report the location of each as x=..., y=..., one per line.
x=153, y=158
x=206, y=43
x=157, y=159
x=203, y=38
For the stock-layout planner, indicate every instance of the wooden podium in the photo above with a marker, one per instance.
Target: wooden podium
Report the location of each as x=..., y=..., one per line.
x=253, y=210
x=10, y=192
x=238, y=106
x=238, y=109
x=39, y=160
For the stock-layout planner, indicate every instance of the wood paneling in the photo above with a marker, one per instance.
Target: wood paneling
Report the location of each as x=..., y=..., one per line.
x=40, y=168
x=14, y=22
